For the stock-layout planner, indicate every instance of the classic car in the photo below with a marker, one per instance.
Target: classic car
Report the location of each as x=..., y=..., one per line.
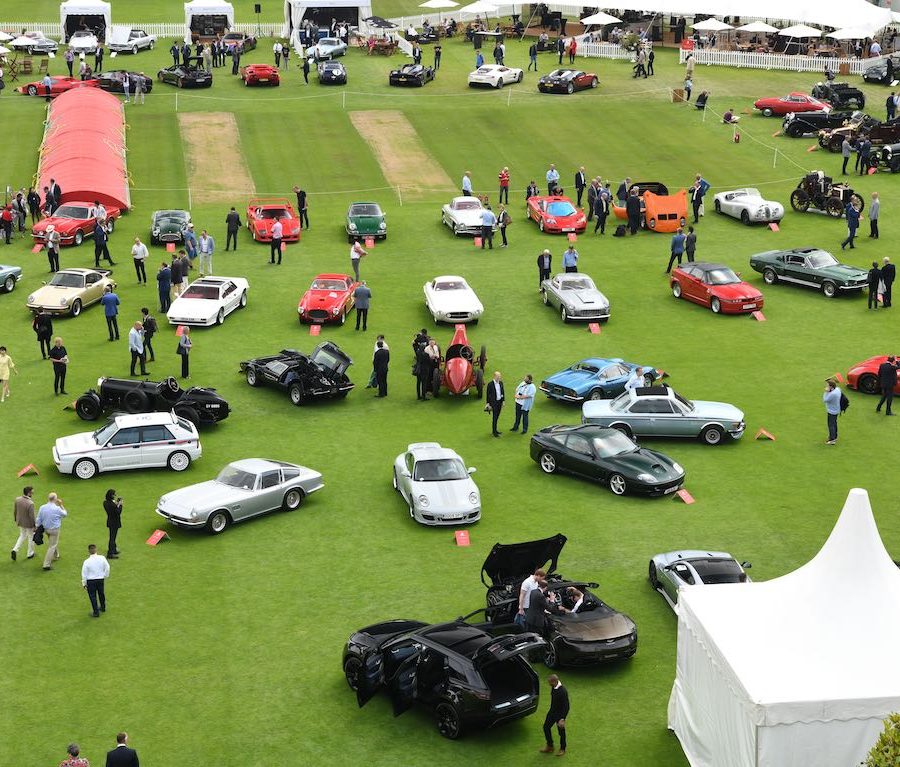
x=889, y=157
x=198, y=405
x=436, y=485
x=797, y=124
x=495, y=76
x=555, y=214
x=883, y=73
x=137, y=441
x=659, y=411
x=83, y=41
x=460, y=370
x=191, y=75
x=365, y=219
x=208, y=300
x=243, y=489
x=839, y=95
x=596, y=378
x=33, y=42
x=607, y=456
x=128, y=39
x=239, y=40
x=876, y=131
x=567, y=81
x=809, y=266
x=168, y=226
x=58, y=84
x=70, y=290
x=467, y=678
x=411, y=74
x=670, y=573
x=326, y=48
x=793, y=102
x=819, y=191
x=863, y=376
x=332, y=73
x=260, y=74
x=262, y=213
x=329, y=299
x=715, y=286
x=112, y=81
x=575, y=296
x=748, y=205
x=450, y=299
x=9, y=276
x=73, y=221
x=321, y=375
x=463, y=215
x=660, y=211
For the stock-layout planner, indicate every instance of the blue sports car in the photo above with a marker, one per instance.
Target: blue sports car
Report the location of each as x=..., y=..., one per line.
x=595, y=378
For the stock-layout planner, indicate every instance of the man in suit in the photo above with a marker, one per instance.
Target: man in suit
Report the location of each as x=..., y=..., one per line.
x=174, y=50
x=888, y=275
x=122, y=755
x=164, y=286
x=601, y=210
x=580, y=184
x=495, y=397
x=696, y=200
x=233, y=224
x=302, y=207
x=559, y=710
x=100, y=245
x=185, y=53
x=380, y=362
x=55, y=193
x=592, y=191
x=544, y=264
x=633, y=210
x=536, y=611
x=560, y=48
x=873, y=278
x=98, y=59
x=361, y=297
x=887, y=379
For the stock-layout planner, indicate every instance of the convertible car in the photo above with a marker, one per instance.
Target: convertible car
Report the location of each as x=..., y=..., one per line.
x=463, y=215
x=555, y=214
x=495, y=76
x=881, y=73
x=326, y=48
x=677, y=570
x=840, y=95
x=33, y=42
x=73, y=221
x=332, y=73
x=715, y=286
x=191, y=75
x=567, y=81
x=365, y=219
x=793, y=102
x=749, y=206
x=806, y=123
x=240, y=40
x=411, y=74
x=9, y=277
x=461, y=370
x=208, y=300
x=243, y=489
x=575, y=296
x=321, y=375
x=196, y=404
x=83, y=41
x=113, y=80
x=595, y=378
x=261, y=215
x=168, y=226
x=812, y=267
x=436, y=485
x=70, y=290
x=450, y=299
x=260, y=74
x=863, y=376
x=329, y=299
x=58, y=84
x=659, y=411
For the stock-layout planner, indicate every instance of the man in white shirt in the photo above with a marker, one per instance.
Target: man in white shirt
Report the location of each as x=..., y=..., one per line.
x=139, y=253
x=356, y=252
x=636, y=380
x=276, y=49
x=97, y=211
x=578, y=596
x=94, y=573
x=277, y=231
x=206, y=246
x=524, y=400
x=874, y=49
x=528, y=585
x=136, y=345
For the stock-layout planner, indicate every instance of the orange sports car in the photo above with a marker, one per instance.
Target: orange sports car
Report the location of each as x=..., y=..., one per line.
x=661, y=211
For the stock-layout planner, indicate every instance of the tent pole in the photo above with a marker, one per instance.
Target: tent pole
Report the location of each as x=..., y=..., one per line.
x=530, y=19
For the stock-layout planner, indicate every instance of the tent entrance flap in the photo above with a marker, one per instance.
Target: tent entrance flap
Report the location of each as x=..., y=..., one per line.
x=89, y=22
x=208, y=26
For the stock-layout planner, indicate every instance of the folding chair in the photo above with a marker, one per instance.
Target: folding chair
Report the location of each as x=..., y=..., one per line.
x=26, y=68
x=42, y=69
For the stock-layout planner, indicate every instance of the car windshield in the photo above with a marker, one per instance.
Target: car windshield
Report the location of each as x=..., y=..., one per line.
x=104, y=433
x=718, y=570
x=687, y=403
x=70, y=211
x=235, y=477
x=209, y=292
x=328, y=41
x=364, y=210
x=273, y=213
x=467, y=205
x=721, y=276
x=581, y=283
x=620, y=403
x=450, y=285
x=587, y=367
x=67, y=280
x=81, y=33
x=328, y=285
x=821, y=260
x=560, y=209
x=613, y=444
x=440, y=470
x=484, y=71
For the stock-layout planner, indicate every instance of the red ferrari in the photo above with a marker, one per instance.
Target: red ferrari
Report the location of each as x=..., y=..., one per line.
x=461, y=370
x=261, y=215
x=329, y=299
x=74, y=222
x=556, y=214
x=864, y=376
x=57, y=85
x=793, y=102
x=260, y=74
x=715, y=286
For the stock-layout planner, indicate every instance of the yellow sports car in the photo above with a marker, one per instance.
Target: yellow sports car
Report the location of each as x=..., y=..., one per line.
x=70, y=291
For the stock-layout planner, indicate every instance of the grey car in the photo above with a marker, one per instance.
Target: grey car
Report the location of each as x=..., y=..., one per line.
x=9, y=276
x=659, y=411
x=677, y=570
x=575, y=296
x=243, y=489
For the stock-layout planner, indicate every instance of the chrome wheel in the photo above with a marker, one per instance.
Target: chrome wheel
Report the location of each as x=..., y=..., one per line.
x=179, y=461
x=85, y=469
x=292, y=499
x=547, y=463
x=617, y=484
x=217, y=523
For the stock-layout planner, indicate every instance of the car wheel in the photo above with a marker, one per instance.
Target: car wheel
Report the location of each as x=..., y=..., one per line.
x=220, y=317
x=595, y=394
x=769, y=276
x=712, y=435
x=76, y=307
x=10, y=285
x=412, y=509
x=654, y=578
x=455, y=227
x=624, y=428
x=189, y=414
x=79, y=237
x=547, y=462
x=800, y=200
x=296, y=394
x=716, y=305
x=767, y=112
x=594, y=83
x=479, y=382
x=352, y=671
x=29, y=51
x=617, y=484
x=88, y=407
x=676, y=289
x=134, y=49
x=570, y=89
x=136, y=401
x=218, y=522
x=499, y=84
x=834, y=208
x=243, y=302
x=84, y=469
x=448, y=721
x=544, y=297
x=551, y=655
x=520, y=77
x=292, y=499
x=394, y=481
x=253, y=377
x=745, y=218
x=179, y=461
x=829, y=289
x=343, y=317
x=562, y=314
x=868, y=384
x=152, y=44
x=32, y=90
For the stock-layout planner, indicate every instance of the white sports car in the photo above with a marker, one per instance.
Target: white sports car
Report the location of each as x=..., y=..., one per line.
x=450, y=299
x=463, y=215
x=326, y=48
x=436, y=485
x=749, y=206
x=208, y=301
x=495, y=75
x=83, y=41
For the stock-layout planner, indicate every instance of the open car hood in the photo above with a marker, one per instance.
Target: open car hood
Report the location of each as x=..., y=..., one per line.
x=511, y=560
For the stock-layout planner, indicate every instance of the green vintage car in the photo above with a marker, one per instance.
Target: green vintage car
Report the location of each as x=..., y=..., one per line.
x=365, y=219
x=809, y=266
x=168, y=226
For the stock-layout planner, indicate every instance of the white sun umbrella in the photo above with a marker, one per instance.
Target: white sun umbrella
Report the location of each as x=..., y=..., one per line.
x=711, y=25
x=438, y=4
x=479, y=6
x=600, y=18
x=850, y=33
x=758, y=26
x=800, y=30
x=4, y=51
x=5, y=36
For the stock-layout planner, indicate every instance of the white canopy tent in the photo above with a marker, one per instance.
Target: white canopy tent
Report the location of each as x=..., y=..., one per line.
x=94, y=15
x=321, y=12
x=711, y=25
x=795, y=671
x=207, y=18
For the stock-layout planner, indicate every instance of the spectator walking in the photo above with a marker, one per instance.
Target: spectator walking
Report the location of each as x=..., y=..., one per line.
x=573, y=47
x=677, y=249
x=276, y=50
x=94, y=572
x=98, y=58
x=50, y=517
x=34, y=205
x=874, y=210
x=688, y=87
x=852, y=215
x=60, y=359
x=560, y=48
x=650, y=58
x=235, y=59
x=233, y=226
x=7, y=366
x=184, y=350
x=532, y=57
x=72, y=757
x=101, y=248
x=467, y=184
x=126, y=86
x=488, y=222
x=524, y=400
x=138, y=88
x=696, y=200
x=139, y=254
x=23, y=515
x=833, y=398
x=503, y=178
x=302, y=207
x=206, y=246
x=380, y=362
x=888, y=275
x=136, y=346
x=503, y=221
x=874, y=280
x=690, y=244
x=356, y=253
x=164, y=287
x=42, y=324
x=190, y=242
x=110, y=303
x=286, y=56
x=544, y=264
x=846, y=151
x=495, y=397
x=69, y=57
x=148, y=323
x=122, y=755
x=887, y=381
x=361, y=298
x=557, y=715
x=306, y=71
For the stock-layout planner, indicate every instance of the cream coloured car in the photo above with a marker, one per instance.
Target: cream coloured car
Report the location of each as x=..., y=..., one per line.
x=70, y=291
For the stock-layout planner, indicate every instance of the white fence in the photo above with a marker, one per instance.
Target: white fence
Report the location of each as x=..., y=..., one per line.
x=605, y=51
x=53, y=30
x=776, y=61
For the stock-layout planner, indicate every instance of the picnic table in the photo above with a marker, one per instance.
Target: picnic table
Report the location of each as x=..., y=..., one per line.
x=382, y=47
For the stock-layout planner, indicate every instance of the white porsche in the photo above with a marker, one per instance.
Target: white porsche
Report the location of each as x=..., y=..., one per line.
x=208, y=300
x=495, y=75
x=749, y=206
x=450, y=299
x=463, y=215
x=83, y=41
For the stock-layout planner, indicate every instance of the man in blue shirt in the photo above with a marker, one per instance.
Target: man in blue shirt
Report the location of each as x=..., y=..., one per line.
x=525, y=392
x=488, y=222
x=110, y=303
x=50, y=517
x=552, y=178
x=467, y=184
x=190, y=242
x=677, y=249
x=832, y=400
x=570, y=259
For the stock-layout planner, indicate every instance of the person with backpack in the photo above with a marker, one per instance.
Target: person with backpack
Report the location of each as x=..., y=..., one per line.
x=836, y=402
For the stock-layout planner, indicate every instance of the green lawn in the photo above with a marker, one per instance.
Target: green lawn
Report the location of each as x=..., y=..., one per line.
x=226, y=651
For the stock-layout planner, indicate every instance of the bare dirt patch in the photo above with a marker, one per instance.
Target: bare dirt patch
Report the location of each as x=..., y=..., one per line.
x=401, y=155
x=211, y=141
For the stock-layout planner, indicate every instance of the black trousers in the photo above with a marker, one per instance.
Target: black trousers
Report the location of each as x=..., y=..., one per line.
x=580, y=191
x=503, y=234
x=672, y=261
x=165, y=300
x=140, y=270
x=53, y=260
x=873, y=228
x=873, y=297
x=887, y=397
x=487, y=236
x=690, y=255
x=543, y=274
x=381, y=382
x=634, y=223
x=844, y=166
x=696, y=207
x=148, y=349
x=521, y=416
x=362, y=314
x=185, y=365
x=112, y=548
x=44, y=341
x=887, y=294
x=275, y=248
x=650, y=68
x=59, y=379
x=495, y=415
x=97, y=594
x=69, y=65
x=7, y=231
x=229, y=238
x=141, y=357
x=601, y=223
x=422, y=384
x=571, y=269
x=549, y=721
x=112, y=325
x=234, y=66
x=504, y=194
x=101, y=249
x=832, y=427
x=304, y=219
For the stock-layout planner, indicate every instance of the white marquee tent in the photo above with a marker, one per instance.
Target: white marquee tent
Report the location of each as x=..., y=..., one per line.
x=322, y=11
x=95, y=14
x=207, y=18
x=795, y=671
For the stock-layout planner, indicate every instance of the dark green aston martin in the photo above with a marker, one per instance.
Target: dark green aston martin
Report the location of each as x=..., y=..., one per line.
x=168, y=226
x=365, y=219
x=813, y=267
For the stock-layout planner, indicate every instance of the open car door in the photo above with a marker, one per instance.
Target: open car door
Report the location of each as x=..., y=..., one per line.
x=508, y=646
x=419, y=677
x=371, y=678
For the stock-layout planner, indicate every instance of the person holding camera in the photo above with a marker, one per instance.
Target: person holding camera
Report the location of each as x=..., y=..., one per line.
x=112, y=505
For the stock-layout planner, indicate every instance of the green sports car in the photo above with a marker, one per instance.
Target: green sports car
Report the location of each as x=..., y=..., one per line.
x=809, y=266
x=365, y=219
x=168, y=226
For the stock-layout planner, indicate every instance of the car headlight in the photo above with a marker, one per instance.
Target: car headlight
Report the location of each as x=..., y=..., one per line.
x=551, y=221
x=644, y=477
x=335, y=311
x=31, y=299
x=156, y=231
x=423, y=501
x=382, y=225
x=737, y=424
x=193, y=514
x=677, y=466
x=64, y=302
x=352, y=226
x=473, y=498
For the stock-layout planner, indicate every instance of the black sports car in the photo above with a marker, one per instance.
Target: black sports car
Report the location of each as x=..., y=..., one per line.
x=608, y=456
x=567, y=81
x=840, y=95
x=797, y=124
x=323, y=374
x=467, y=677
x=884, y=72
x=332, y=73
x=112, y=81
x=197, y=404
x=192, y=75
x=411, y=74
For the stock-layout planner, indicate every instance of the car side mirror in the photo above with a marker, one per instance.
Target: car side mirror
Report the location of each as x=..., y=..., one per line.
x=471, y=470
x=405, y=473
x=737, y=274
x=746, y=565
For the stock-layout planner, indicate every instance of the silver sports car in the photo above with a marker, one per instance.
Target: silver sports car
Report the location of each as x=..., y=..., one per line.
x=677, y=570
x=575, y=296
x=749, y=206
x=9, y=276
x=463, y=215
x=243, y=489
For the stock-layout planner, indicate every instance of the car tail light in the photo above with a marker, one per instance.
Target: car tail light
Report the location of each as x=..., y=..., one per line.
x=481, y=694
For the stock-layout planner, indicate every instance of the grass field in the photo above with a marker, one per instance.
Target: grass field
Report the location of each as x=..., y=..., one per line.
x=226, y=651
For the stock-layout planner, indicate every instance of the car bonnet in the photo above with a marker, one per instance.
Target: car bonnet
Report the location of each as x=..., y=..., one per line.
x=593, y=626
x=512, y=560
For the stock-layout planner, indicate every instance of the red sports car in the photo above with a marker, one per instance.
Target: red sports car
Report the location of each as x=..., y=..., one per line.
x=329, y=299
x=58, y=85
x=74, y=222
x=793, y=102
x=461, y=369
x=262, y=213
x=556, y=214
x=260, y=74
x=864, y=376
x=715, y=286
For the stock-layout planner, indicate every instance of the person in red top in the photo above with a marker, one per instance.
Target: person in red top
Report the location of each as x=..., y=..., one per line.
x=6, y=221
x=503, y=176
x=573, y=46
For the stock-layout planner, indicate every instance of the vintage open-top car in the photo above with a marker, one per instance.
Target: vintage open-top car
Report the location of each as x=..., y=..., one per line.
x=495, y=76
x=793, y=102
x=168, y=226
x=329, y=299
x=463, y=215
x=676, y=570
x=73, y=221
x=567, y=81
x=262, y=213
x=716, y=287
x=411, y=74
x=365, y=219
x=817, y=190
x=83, y=41
x=461, y=370
x=797, y=124
x=331, y=73
x=809, y=266
x=555, y=213
x=840, y=95
x=451, y=299
x=190, y=75
x=240, y=40
x=58, y=84
x=208, y=301
x=575, y=296
x=884, y=72
x=748, y=205
x=9, y=277
x=863, y=376
x=321, y=375
x=70, y=290
x=860, y=126
x=260, y=74
x=596, y=378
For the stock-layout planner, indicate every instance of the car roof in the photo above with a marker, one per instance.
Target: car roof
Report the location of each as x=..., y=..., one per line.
x=433, y=453
x=600, y=361
x=145, y=419
x=588, y=429
x=449, y=277
x=257, y=465
x=211, y=281
x=330, y=276
x=459, y=638
x=692, y=554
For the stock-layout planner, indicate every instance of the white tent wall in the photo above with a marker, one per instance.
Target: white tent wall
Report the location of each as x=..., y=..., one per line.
x=193, y=11
x=296, y=10
x=97, y=15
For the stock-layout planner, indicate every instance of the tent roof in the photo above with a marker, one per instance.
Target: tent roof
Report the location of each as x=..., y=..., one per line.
x=816, y=644
x=209, y=8
x=96, y=7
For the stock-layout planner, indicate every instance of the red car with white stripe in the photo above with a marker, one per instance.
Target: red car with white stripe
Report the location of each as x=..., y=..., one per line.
x=329, y=299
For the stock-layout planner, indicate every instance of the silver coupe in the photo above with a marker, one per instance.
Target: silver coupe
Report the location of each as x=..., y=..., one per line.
x=575, y=296
x=463, y=215
x=9, y=276
x=677, y=570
